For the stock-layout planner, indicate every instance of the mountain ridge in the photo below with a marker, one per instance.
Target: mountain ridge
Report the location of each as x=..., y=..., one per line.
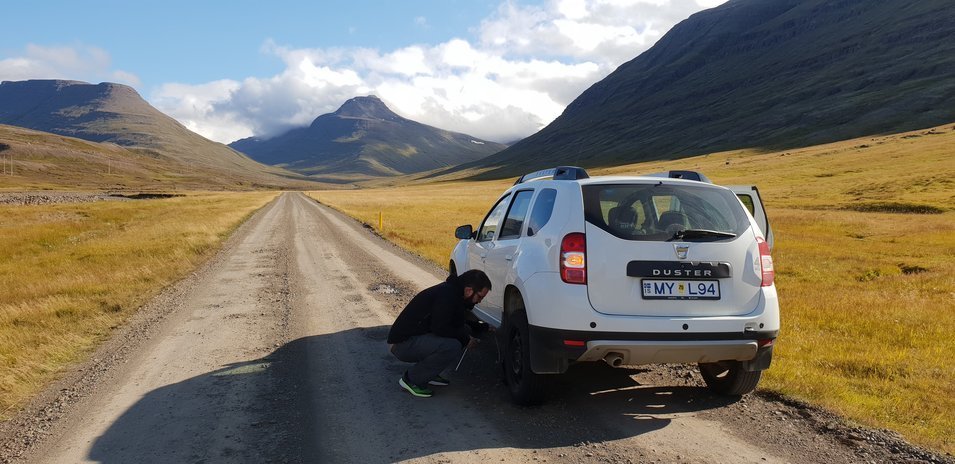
x=365, y=139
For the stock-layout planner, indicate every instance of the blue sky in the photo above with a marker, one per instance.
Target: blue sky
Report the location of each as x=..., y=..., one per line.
x=499, y=70
x=200, y=41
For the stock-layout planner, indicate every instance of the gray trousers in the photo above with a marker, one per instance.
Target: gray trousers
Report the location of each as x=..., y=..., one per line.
x=431, y=354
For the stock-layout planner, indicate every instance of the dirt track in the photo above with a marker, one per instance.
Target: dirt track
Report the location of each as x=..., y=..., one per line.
x=275, y=352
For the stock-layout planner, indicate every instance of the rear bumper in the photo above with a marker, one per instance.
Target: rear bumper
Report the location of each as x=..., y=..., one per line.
x=552, y=303
x=550, y=354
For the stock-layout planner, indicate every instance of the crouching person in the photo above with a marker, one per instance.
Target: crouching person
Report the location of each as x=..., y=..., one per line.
x=435, y=328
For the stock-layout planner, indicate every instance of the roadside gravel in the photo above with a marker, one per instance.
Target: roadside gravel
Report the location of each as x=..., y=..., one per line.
x=53, y=197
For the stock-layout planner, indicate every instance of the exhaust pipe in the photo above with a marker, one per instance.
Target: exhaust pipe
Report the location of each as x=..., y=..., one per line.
x=614, y=359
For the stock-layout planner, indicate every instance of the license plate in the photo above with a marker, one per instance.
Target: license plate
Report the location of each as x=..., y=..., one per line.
x=681, y=289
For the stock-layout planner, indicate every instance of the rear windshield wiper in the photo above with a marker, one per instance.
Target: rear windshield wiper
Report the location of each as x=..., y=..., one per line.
x=701, y=233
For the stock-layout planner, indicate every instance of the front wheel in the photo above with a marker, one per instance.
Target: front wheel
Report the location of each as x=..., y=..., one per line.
x=525, y=386
x=729, y=377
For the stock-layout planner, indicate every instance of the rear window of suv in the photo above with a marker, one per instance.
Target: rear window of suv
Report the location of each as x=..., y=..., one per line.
x=656, y=212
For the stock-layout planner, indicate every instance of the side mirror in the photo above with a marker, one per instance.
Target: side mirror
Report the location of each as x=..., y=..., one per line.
x=464, y=232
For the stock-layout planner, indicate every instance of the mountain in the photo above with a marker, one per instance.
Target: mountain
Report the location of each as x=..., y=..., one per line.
x=116, y=114
x=759, y=74
x=365, y=139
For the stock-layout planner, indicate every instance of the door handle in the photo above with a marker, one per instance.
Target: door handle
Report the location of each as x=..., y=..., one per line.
x=483, y=255
x=509, y=257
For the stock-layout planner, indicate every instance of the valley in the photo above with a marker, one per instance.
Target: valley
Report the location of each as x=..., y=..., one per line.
x=173, y=289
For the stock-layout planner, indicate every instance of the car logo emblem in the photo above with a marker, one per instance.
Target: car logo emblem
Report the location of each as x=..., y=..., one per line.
x=681, y=250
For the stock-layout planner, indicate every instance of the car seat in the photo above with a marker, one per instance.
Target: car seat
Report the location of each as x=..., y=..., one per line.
x=672, y=220
x=622, y=219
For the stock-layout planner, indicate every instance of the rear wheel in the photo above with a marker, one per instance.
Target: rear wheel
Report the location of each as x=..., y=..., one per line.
x=525, y=386
x=729, y=377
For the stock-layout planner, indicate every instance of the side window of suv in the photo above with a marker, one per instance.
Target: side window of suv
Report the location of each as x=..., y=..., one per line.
x=543, y=208
x=493, y=219
x=747, y=202
x=515, y=216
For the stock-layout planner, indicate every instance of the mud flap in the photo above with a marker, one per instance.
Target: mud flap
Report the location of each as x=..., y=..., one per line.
x=764, y=357
x=548, y=353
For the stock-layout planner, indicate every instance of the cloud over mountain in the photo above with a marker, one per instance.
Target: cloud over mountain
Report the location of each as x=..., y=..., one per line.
x=64, y=62
x=518, y=73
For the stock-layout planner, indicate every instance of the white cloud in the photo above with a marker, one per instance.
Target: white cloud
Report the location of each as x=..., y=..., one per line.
x=524, y=66
x=608, y=32
x=451, y=85
x=194, y=107
x=79, y=62
x=573, y=9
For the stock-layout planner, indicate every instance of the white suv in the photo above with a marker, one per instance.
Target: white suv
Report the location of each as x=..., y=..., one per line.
x=665, y=268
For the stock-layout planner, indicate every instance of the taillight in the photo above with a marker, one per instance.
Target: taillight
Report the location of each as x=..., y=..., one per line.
x=573, y=258
x=766, y=262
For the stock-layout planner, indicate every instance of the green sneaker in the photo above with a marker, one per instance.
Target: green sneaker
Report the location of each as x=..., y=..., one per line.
x=414, y=389
x=440, y=381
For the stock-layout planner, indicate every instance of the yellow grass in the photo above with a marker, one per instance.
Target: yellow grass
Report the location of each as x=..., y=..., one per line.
x=70, y=273
x=868, y=298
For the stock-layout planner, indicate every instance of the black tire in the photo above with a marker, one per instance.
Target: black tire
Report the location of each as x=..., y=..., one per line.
x=526, y=387
x=729, y=377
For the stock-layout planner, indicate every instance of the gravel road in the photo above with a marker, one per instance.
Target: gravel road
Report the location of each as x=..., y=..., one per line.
x=275, y=351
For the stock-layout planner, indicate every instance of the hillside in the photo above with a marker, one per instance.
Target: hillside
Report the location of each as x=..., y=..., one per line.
x=34, y=160
x=768, y=74
x=365, y=139
x=116, y=114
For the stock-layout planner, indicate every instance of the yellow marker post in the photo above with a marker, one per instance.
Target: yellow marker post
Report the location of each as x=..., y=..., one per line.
x=379, y=221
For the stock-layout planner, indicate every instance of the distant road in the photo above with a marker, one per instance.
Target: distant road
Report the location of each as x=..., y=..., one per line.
x=275, y=352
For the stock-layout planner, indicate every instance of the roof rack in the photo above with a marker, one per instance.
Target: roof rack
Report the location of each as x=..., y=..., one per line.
x=688, y=175
x=558, y=173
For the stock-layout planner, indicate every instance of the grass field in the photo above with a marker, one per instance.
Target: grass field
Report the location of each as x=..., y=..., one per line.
x=70, y=273
x=865, y=235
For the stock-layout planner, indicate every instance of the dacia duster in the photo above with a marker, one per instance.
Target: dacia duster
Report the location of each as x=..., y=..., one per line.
x=663, y=268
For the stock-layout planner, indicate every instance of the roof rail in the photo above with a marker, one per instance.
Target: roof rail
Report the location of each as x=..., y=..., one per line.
x=688, y=175
x=558, y=173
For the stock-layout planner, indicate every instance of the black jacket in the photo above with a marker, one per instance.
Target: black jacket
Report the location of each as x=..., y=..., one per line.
x=441, y=310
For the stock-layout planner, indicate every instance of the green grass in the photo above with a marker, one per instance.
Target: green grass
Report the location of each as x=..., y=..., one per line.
x=867, y=294
x=70, y=273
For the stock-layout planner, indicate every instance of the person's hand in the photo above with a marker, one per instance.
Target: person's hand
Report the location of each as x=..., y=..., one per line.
x=473, y=342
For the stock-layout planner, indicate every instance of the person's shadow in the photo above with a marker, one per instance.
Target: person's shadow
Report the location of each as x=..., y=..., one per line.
x=335, y=398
